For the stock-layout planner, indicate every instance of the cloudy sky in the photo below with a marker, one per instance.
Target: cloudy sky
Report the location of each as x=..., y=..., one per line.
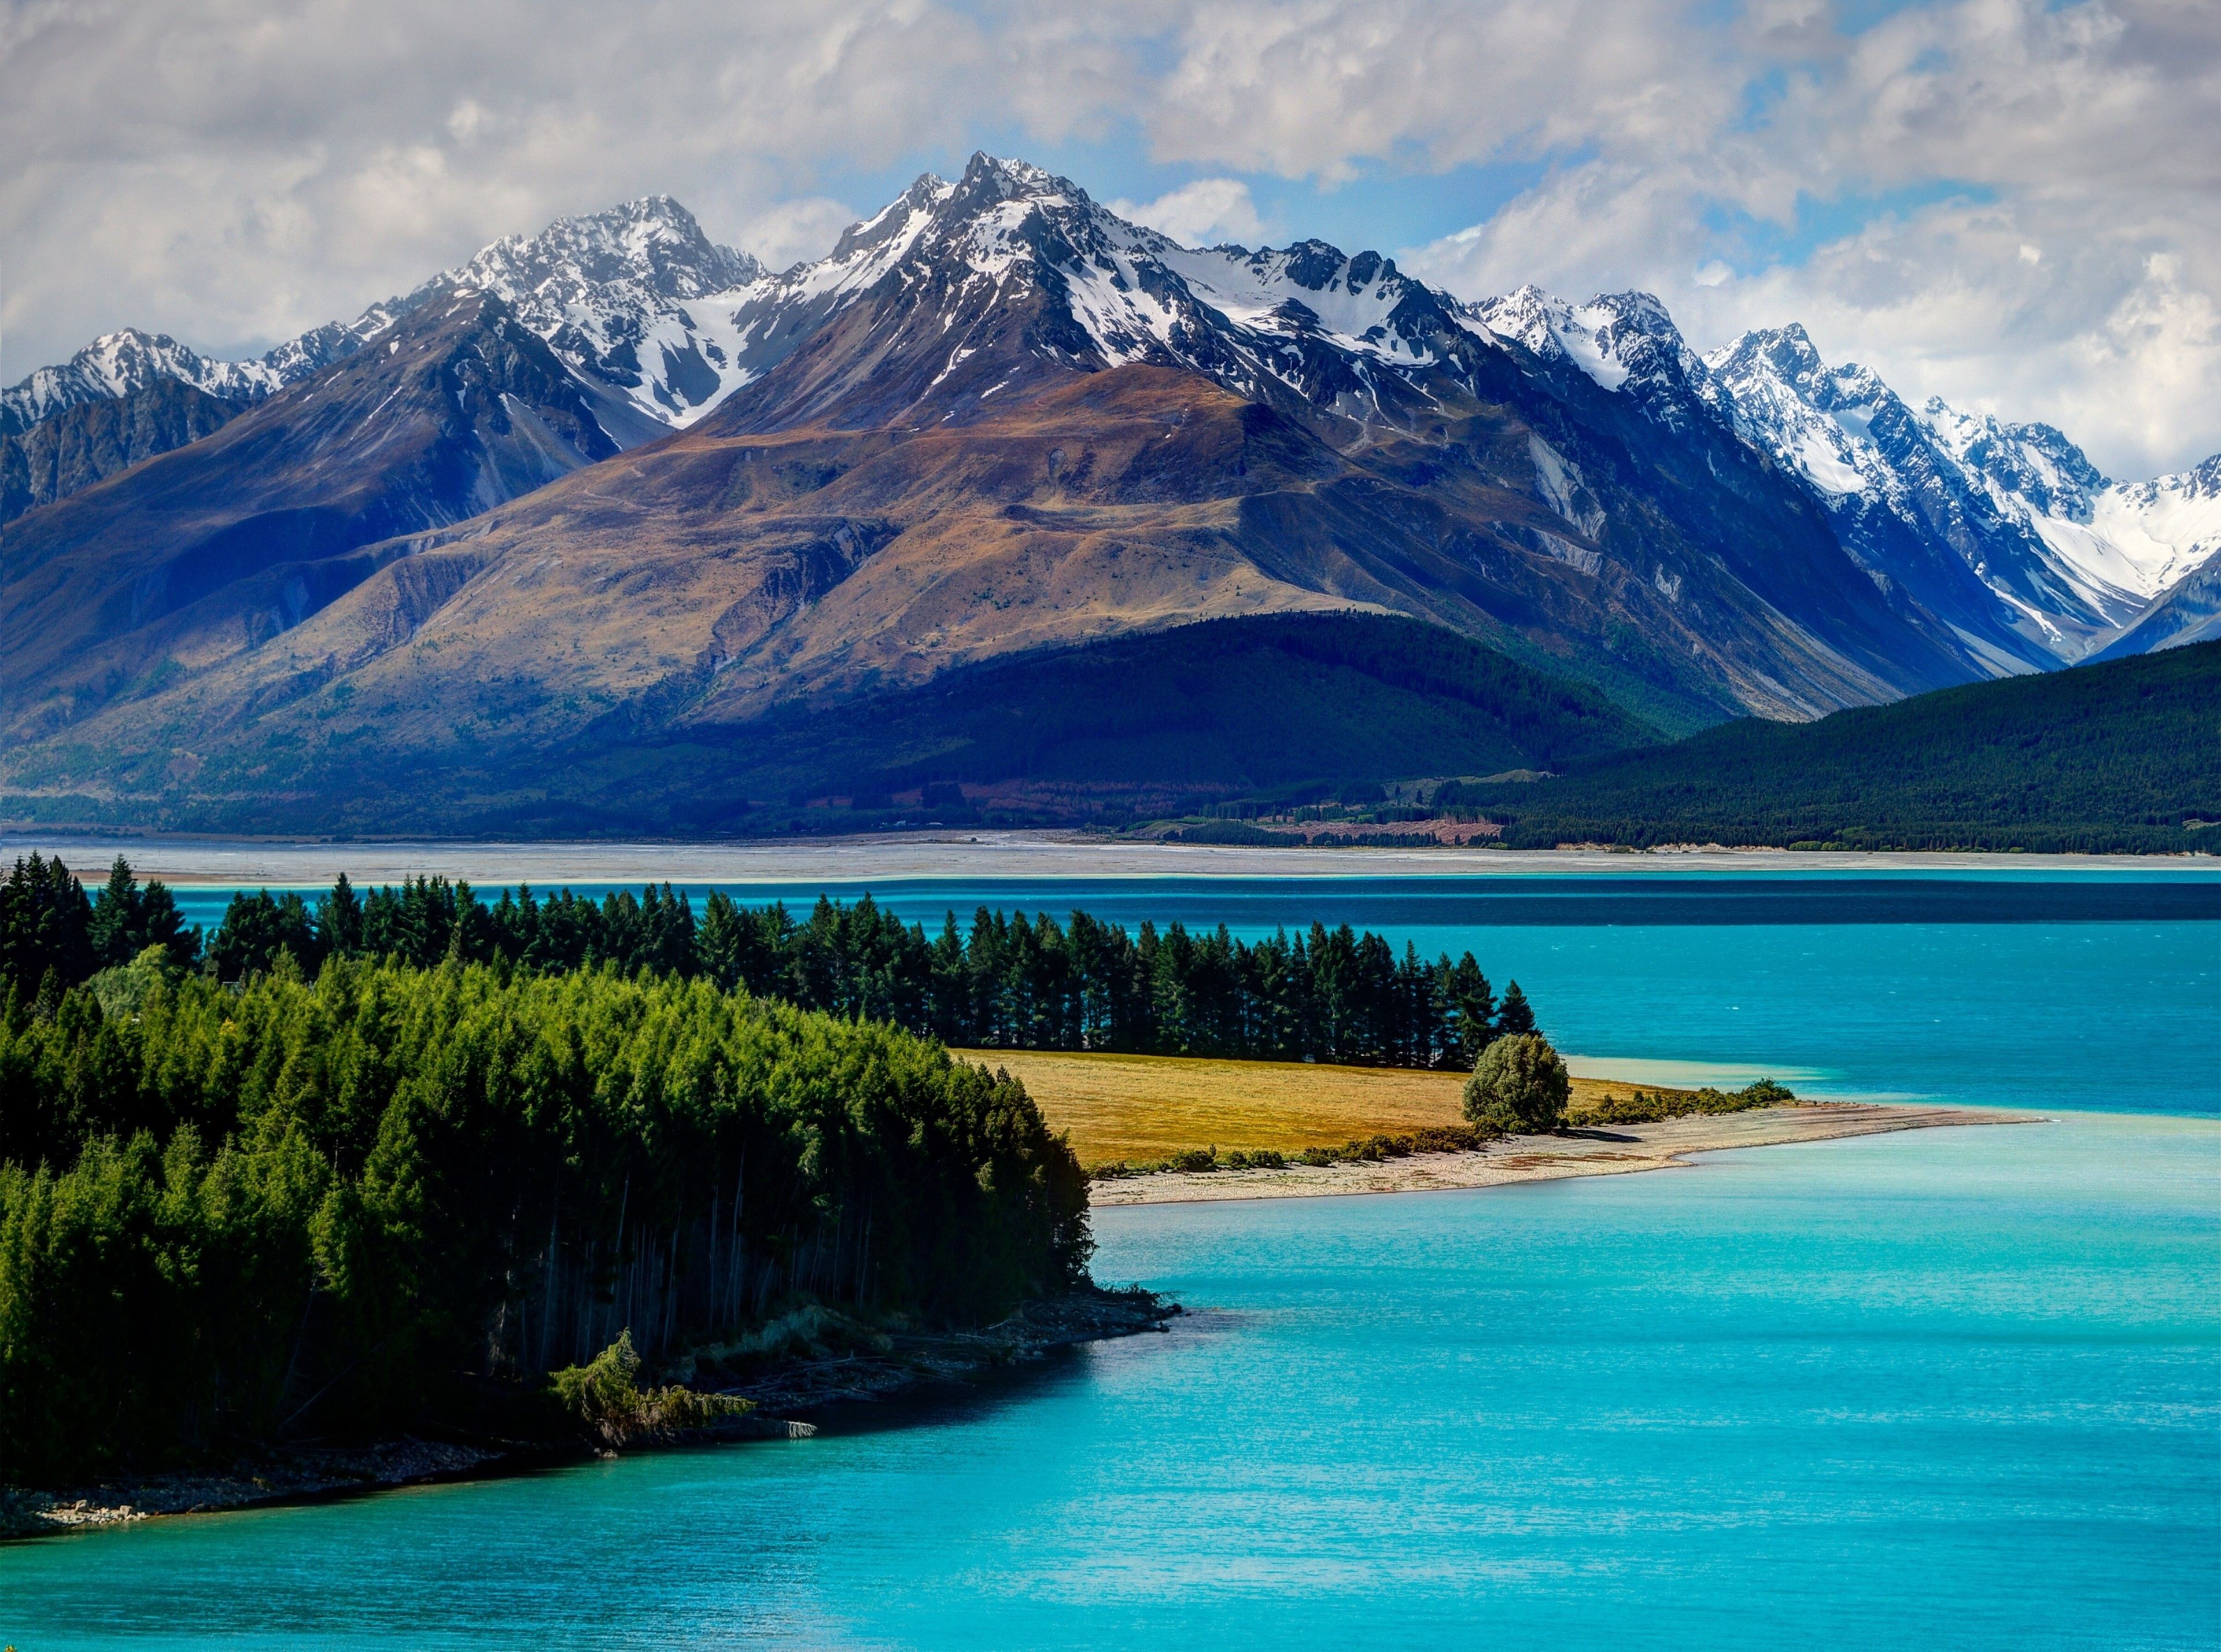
x=2012, y=203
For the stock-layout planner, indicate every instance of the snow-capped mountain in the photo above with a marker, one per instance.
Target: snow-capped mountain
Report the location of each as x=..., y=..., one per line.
x=636, y=300
x=2006, y=530
x=2164, y=530
x=117, y=364
x=1469, y=483
x=455, y=410
x=1303, y=321
x=120, y=364
x=1626, y=341
x=2176, y=517
x=1754, y=532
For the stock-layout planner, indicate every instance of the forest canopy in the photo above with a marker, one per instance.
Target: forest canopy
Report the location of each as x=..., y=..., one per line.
x=289, y=1207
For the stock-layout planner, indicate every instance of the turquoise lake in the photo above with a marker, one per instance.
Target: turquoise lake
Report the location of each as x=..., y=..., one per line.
x=1951, y=1388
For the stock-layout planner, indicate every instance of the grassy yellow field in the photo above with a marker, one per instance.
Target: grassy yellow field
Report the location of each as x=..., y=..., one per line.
x=1148, y=1107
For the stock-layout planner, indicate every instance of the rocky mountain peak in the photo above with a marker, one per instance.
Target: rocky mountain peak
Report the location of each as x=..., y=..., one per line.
x=1786, y=353
x=1614, y=338
x=992, y=176
x=653, y=245
x=2034, y=461
x=123, y=362
x=898, y=222
x=997, y=282
x=1013, y=268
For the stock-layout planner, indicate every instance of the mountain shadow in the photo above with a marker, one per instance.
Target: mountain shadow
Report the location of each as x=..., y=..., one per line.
x=1315, y=703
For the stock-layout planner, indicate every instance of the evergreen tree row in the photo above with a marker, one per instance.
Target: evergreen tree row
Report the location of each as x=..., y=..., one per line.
x=1006, y=983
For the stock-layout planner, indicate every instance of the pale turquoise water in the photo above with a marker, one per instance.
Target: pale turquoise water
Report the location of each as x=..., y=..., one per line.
x=1956, y=1387
x=1952, y=1388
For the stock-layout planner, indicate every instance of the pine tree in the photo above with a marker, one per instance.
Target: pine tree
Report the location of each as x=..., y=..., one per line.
x=161, y=924
x=338, y=920
x=1516, y=1015
x=1473, y=1001
x=46, y=923
x=256, y=928
x=117, y=918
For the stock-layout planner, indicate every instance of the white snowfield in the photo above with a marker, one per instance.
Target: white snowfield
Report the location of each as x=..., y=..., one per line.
x=656, y=318
x=1549, y=327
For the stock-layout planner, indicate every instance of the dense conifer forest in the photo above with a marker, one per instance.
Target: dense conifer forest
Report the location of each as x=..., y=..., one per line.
x=301, y=1177
x=1008, y=982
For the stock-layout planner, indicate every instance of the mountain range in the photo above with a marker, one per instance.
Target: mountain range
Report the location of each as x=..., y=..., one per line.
x=612, y=528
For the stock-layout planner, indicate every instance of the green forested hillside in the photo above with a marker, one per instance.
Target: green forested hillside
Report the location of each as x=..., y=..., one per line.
x=1226, y=708
x=2117, y=757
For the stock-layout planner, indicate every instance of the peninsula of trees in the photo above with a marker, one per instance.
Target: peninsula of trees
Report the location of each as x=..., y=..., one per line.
x=339, y=1163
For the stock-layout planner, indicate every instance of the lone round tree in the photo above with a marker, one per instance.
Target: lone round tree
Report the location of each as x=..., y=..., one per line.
x=1520, y=1084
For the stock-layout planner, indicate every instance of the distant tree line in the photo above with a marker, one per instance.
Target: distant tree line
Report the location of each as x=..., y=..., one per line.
x=1006, y=983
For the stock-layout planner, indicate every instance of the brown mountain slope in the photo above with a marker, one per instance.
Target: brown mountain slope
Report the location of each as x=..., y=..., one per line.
x=181, y=561
x=705, y=580
x=1029, y=432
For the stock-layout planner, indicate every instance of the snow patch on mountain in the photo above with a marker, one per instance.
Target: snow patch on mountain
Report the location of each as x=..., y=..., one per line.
x=637, y=298
x=2005, y=531
x=1308, y=290
x=1553, y=328
x=1624, y=341
x=1614, y=338
x=2133, y=538
x=1304, y=318
x=2163, y=529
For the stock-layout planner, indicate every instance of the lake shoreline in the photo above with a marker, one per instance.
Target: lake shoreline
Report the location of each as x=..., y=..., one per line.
x=898, y=1364
x=1598, y=1150
x=895, y=858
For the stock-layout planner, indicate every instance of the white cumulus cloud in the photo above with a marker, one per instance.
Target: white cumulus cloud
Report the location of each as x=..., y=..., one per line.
x=1209, y=211
x=234, y=173
x=2061, y=260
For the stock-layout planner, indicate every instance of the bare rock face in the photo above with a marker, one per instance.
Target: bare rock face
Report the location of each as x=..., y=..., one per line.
x=92, y=440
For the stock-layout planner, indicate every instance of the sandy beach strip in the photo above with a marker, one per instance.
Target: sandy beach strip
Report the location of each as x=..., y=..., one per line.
x=907, y=857
x=1604, y=1150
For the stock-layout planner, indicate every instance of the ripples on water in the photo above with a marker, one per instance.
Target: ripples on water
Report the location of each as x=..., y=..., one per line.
x=1955, y=1387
